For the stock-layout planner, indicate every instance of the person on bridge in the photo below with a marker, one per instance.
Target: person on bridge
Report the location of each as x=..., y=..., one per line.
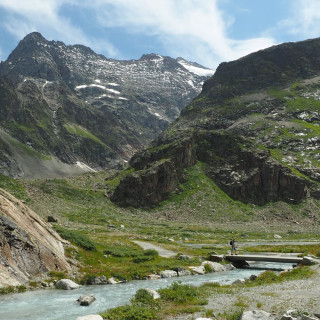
x=233, y=246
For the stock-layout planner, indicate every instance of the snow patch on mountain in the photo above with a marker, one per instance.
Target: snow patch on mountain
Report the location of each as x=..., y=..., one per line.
x=200, y=71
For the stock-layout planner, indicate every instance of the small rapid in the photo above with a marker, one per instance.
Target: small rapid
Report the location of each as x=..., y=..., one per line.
x=63, y=305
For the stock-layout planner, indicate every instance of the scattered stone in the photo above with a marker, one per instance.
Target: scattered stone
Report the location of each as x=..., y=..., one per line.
x=155, y=294
x=215, y=267
x=277, y=236
x=97, y=280
x=66, y=284
x=305, y=317
x=253, y=277
x=184, y=257
x=122, y=226
x=286, y=317
x=229, y=267
x=238, y=282
x=256, y=315
x=52, y=219
x=168, y=274
x=91, y=317
x=86, y=300
x=152, y=277
x=182, y=272
x=204, y=319
x=216, y=257
x=171, y=239
x=198, y=270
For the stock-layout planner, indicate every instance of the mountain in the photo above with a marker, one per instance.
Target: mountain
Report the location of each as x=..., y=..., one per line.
x=28, y=246
x=255, y=127
x=65, y=109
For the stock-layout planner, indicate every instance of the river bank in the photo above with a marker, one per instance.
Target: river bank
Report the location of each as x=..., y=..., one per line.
x=301, y=295
x=61, y=304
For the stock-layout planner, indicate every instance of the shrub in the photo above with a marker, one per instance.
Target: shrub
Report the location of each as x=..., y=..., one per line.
x=143, y=298
x=133, y=312
x=151, y=252
x=77, y=238
x=140, y=259
x=179, y=293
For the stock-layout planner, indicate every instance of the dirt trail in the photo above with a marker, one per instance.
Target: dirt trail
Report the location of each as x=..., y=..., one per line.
x=162, y=252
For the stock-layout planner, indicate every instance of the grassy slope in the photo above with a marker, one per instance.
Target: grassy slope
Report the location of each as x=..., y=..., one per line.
x=201, y=212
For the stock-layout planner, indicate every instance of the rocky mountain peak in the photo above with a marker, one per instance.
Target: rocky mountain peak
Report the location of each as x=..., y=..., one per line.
x=86, y=108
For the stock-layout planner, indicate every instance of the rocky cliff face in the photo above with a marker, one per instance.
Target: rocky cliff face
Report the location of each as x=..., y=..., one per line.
x=255, y=125
x=28, y=246
x=70, y=108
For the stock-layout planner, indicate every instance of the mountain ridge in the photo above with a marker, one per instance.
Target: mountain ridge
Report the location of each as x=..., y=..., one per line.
x=89, y=109
x=256, y=132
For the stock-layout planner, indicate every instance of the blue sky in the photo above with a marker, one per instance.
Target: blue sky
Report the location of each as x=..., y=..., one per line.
x=205, y=31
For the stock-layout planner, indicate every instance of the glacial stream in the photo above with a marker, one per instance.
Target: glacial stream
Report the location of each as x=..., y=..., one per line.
x=62, y=305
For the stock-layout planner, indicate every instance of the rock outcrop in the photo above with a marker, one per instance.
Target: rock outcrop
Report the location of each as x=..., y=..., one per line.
x=254, y=127
x=29, y=247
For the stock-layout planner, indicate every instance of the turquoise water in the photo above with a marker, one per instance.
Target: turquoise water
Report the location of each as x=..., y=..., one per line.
x=62, y=305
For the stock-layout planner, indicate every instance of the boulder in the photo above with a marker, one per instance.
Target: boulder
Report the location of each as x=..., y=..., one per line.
x=229, y=267
x=215, y=266
x=86, y=300
x=168, y=274
x=152, y=277
x=253, y=277
x=183, y=272
x=90, y=317
x=277, y=236
x=66, y=284
x=238, y=282
x=97, y=280
x=113, y=281
x=154, y=293
x=198, y=270
x=256, y=315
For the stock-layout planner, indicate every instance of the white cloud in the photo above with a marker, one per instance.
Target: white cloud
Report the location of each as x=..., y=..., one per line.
x=196, y=29
x=304, y=19
x=45, y=16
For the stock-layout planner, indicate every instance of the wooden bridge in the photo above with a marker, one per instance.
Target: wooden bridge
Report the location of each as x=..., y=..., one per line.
x=271, y=258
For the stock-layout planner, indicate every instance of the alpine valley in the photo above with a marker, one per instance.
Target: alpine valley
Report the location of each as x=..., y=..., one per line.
x=66, y=110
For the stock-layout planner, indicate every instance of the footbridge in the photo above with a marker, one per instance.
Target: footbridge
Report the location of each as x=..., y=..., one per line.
x=265, y=258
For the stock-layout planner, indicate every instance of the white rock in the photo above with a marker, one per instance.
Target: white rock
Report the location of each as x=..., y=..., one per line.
x=198, y=270
x=113, y=281
x=91, y=317
x=204, y=319
x=168, y=274
x=86, y=300
x=153, y=277
x=256, y=315
x=277, y=236
x=154, y=293
x=215, y=266
x=66, y=284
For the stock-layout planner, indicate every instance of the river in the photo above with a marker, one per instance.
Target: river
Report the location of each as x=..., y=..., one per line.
x=62, y=305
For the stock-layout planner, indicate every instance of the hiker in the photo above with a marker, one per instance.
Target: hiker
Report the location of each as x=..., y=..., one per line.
x=233, y=246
